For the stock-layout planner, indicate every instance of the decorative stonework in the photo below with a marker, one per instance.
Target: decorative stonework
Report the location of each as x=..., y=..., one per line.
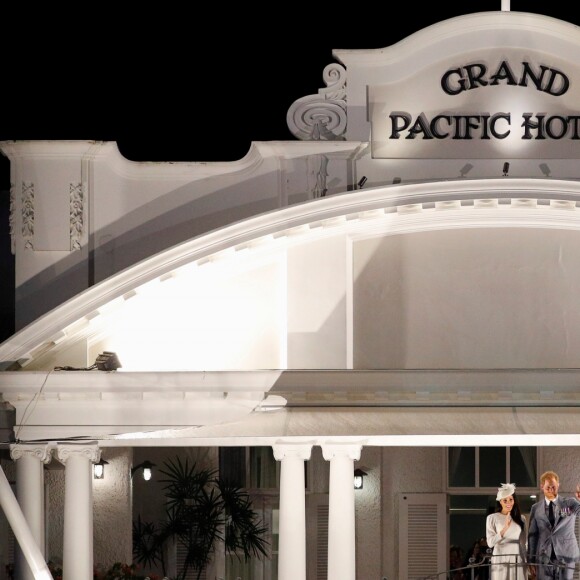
x=91, y=452
x=321, y=117
x=28, y=214
x=76, y=215
x=297, y=450
x=348, y=450
x=321, y=173
x=40, y=452
x=11, y=220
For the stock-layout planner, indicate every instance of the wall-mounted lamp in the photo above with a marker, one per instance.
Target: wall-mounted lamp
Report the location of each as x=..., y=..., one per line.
x=146, y=467
x=506, y=169
x=99, y=469
x=359, y=476
x=362, y=181
x=545, y=169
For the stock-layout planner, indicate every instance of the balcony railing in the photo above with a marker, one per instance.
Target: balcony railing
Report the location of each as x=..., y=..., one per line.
x=514, y=570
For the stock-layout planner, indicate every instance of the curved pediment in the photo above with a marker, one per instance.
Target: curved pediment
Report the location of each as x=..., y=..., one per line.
x=211, y=303
x=461, y=34
x=505, y=64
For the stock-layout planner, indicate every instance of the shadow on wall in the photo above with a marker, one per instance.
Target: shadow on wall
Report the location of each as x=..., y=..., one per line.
x=7, y=263
x=135, y=237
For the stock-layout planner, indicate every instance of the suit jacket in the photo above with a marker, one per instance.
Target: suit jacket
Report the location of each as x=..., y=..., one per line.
x=542, y=538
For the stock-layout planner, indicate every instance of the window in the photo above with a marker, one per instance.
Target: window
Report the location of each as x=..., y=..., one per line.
x=474, y=474
x=233, y=465
x=250, y=467
x=264, y=469
x=487, y=467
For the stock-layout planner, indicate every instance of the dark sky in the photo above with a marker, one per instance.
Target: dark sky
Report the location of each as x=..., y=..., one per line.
x=201, y=85
x=182, y=83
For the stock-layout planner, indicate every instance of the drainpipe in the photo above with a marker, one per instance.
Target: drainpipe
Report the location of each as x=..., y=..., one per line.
x=17, y=522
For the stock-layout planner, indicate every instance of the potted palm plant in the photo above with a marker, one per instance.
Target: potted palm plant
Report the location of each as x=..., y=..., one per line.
x=203, y=512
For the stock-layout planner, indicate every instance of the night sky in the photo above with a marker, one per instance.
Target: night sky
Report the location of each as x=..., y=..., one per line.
x=173, y=85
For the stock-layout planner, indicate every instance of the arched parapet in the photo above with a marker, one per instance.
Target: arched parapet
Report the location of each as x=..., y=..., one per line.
x=381, y=211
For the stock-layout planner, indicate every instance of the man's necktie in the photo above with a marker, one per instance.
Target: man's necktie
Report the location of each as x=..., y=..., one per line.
x=551, y=513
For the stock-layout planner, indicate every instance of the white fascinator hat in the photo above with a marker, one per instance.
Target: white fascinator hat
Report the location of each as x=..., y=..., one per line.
x=505, y=490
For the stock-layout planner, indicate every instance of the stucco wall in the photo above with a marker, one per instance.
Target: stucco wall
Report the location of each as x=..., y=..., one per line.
x=368, y=514
x=55, y=490
x=410, y=470
x=565, y=461
x=112, y=541
x=112, y=509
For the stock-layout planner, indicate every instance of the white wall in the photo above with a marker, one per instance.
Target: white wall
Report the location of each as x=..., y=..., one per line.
x=112, y=510
x=410, y=470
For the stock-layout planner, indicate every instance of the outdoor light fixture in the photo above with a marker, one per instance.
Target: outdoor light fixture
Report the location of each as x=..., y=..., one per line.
x=362, y=181
x=545, y=169
x=146, y=467
x=506, y=168
x=359, y=475
x=99, y=469
x=107, y=361
x=465, y=169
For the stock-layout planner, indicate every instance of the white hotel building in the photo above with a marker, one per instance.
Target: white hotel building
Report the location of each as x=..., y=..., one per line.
x=396, y=290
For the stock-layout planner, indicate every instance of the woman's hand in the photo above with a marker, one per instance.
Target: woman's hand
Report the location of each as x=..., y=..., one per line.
x=508, y=523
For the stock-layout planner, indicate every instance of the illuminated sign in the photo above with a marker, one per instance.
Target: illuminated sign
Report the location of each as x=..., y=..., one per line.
x=514, y=107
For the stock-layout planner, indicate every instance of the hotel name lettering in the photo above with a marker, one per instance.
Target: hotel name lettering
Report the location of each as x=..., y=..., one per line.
x=496, y=125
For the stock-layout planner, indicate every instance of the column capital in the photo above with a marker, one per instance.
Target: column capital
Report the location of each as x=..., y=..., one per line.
x=349, y=450
x=40, y=452
x=66, y=450
x=297, y=450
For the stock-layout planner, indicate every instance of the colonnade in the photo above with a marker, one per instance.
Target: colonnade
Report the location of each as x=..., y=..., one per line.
x=78, y=507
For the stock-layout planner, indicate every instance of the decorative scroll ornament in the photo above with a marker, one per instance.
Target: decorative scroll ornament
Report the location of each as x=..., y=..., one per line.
x=28, y=214
x=321, y=117
x=76, y=215
x=11, y=220
x=40, y=452
x=91, y=452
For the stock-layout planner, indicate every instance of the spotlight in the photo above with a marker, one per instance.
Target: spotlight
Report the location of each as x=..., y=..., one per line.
x=545, y=169
x=396, y=180
x=506, y=168
x=465, y=169
x=107, y=361
x=362, y=181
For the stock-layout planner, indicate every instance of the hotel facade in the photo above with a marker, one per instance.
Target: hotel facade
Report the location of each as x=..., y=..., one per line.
x=395, y=291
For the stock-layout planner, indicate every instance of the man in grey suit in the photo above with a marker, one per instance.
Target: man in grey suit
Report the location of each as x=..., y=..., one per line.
x=552, y=543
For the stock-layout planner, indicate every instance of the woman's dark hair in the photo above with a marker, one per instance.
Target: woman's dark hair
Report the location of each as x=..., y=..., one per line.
x=516, y=513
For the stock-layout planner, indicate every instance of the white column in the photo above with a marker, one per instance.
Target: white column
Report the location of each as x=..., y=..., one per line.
x=77, y=561
x=292, y=532
x=30, y=460
x=341, y=523
x=21, y=530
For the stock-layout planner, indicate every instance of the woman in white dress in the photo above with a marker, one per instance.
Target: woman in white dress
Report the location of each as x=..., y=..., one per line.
x=505, y=532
